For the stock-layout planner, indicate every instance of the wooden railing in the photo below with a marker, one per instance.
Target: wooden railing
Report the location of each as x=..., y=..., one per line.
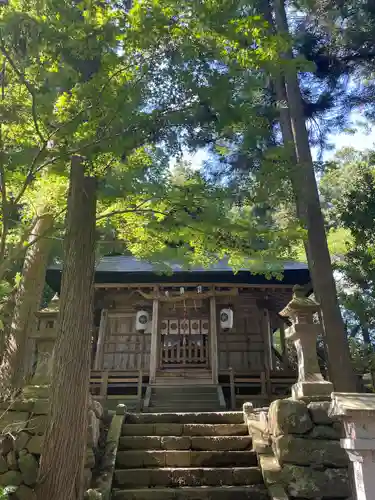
x=282, y=363
x=102, y=380
x=267, y=389
x=247, y=381
x=184, y=350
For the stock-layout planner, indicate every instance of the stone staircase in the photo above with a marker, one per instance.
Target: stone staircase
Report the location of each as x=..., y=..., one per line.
x=186, y=456
x=188, y=398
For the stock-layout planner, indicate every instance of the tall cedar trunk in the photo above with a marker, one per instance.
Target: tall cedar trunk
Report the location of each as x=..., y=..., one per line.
x=366, y=337
x=27, y=302
x=278, y=87
x=288, y=137
x=339, y=363
x=278, y=84
x=62, y=459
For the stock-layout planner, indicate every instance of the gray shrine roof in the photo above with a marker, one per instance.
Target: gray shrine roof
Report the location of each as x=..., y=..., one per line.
x=132, y=265
x=125, y=269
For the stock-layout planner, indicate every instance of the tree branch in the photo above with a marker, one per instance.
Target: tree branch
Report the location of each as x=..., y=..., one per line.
x=4, y=211
x=16, y=250
x=28, y=86
x=30, y=177
x=358, y=56
x=32, y=171
x=4, y=206
x=22, y=246
x=123, y=68
x=31, y=174
x=131, y=211
x=3, y=188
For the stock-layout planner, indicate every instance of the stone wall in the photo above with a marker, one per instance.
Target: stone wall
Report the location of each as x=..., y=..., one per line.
x=22, y=427
x=299, y=449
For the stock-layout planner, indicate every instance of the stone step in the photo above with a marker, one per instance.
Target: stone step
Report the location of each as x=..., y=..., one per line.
x=253, y=492
x=188, y=403
x=184, y=388
x=183, y=400
x=200, y=476
x=181, y=392
x=190, y=409
x=185, y=430
x=190, y=398
x=200, y=380
x=179, y=399
x=197, y=443
x=161, y=458
x=215, y=430
x=183, y=404
x=187, y=377
x=184, y=397
x=227, y=417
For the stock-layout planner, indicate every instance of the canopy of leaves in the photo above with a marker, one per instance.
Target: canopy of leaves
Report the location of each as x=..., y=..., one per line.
x=338, y=37
x=126, y=88
x=348, y=188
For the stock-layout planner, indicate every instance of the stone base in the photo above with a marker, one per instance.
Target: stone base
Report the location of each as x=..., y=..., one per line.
x=36, y=392
x=306, y=482
x=302, y=390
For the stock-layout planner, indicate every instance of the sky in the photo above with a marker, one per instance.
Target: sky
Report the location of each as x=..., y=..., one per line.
x=360, y=140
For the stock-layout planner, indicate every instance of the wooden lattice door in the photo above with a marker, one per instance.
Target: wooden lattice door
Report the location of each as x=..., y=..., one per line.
x=123, y=346
x=184, y=342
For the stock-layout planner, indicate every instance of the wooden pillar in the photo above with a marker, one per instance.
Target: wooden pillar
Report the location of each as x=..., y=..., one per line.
x=104, y=386
x=139, y=390
x=232, y=389
x=284, y=351
x=141, y=355
x=267, y=348
x=154, y=354
x=98, y=364
x=213, y=341
x=269, y=339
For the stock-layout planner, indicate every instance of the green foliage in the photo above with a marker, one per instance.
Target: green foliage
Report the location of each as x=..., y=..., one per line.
x=195, y=222
x=5, y=492
x=127, y=89
x=338, y=38
x=348, y=189
x=340, y=241
x=363, y=356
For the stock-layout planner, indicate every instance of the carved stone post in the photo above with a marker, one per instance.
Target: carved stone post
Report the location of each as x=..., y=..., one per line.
x=357, y=412
x=45, y=339
x=304, y=333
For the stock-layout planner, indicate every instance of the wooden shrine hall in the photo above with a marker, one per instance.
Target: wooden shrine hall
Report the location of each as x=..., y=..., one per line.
x=203, y=327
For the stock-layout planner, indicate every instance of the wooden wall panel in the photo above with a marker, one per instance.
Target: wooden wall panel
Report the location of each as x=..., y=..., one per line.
x=124, y=348
x=242, y=348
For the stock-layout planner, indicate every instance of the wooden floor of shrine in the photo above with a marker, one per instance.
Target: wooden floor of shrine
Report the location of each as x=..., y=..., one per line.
x=130, y=387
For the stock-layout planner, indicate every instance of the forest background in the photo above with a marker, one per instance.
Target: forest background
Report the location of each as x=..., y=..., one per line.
x=96, y=101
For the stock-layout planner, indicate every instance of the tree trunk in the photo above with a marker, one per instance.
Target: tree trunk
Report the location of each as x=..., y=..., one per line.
x=286, y=124
x=339, y=363
x=62, y=459
x=366, y=337
x=27, y=302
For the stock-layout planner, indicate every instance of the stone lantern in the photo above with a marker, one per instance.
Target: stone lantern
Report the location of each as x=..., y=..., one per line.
x=45, y=338
x=304, y=333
